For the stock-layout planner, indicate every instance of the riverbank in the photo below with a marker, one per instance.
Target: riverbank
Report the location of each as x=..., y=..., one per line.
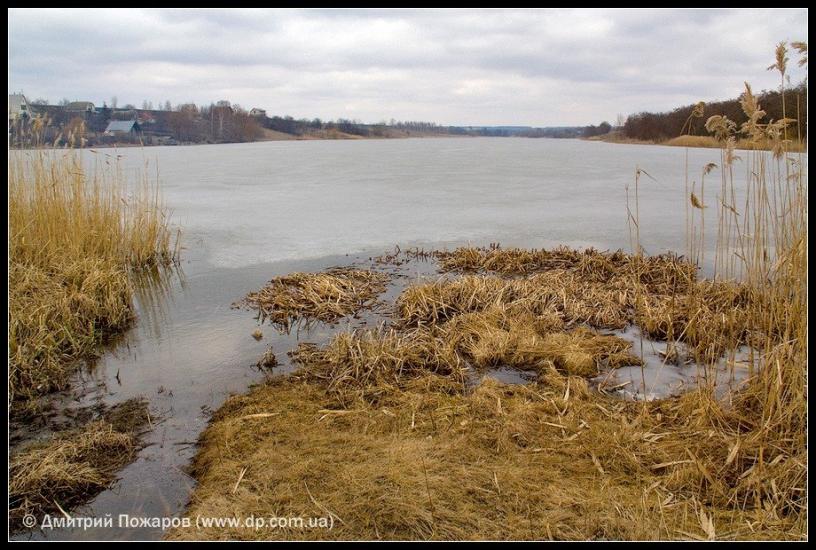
x=267, y=135
x=399, y=433
x=706, y=142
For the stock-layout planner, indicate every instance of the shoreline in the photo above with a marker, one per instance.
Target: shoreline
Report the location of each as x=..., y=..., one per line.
x=697, y=142
x=346, y=137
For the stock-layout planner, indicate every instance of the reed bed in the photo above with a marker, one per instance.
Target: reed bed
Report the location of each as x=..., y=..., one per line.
x=77, y=238
x=74, y=465
x=711, y=142
x=326, y=296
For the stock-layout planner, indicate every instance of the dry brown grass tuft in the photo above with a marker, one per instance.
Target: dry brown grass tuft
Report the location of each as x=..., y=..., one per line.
x=498, y=337
x=713, y=318
x=74, y=465
x=364, y=364
x=657, y=273
x=61, y=314
x=323, y=297
x=268, y=359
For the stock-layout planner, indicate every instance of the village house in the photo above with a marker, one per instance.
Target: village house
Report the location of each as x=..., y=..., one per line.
x=19, y=107
x=122, y=128
x=257, y=112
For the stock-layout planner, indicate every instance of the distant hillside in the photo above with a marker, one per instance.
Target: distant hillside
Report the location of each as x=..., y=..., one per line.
x=659, y=127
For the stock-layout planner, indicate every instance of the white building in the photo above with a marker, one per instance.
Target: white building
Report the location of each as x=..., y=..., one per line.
x=18, y=107
x=257, y=112
x=80, y=107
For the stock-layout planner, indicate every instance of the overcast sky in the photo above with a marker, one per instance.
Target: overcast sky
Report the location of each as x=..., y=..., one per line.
x=469, y=67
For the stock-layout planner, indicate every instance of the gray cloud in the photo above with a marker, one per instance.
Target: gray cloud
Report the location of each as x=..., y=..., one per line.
x=539, y=67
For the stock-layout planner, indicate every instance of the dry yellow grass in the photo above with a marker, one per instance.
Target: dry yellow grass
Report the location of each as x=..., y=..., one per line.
x=364, y=364
x=710, y=142
x=326, y=296
x=387, y=417
x=75, y=238
x=499, y=336
x=550, y=460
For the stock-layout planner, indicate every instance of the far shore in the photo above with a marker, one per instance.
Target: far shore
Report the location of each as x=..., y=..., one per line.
x=705, y=142
x=269, y=135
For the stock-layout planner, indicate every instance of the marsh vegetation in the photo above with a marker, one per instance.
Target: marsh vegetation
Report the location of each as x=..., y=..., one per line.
x=78, y=239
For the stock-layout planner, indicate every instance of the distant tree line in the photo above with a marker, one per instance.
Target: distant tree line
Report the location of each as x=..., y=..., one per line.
x=599, y=130
x=217, y=122
x=662, y=126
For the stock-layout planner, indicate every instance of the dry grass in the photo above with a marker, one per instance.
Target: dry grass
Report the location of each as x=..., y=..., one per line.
x=323, y=297
x=710, y=142
x=364, y=364
x=75, y=238
x=379, y=430
x=551, y=460
x=74, y=465
x=268, y=359
x=499, y=337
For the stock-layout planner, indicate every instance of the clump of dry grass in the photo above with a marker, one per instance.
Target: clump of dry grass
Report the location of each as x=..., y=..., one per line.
x=513, y=261
x=325, y=297
x=58, y=315
x=660, y=294
x=268, y=359
x=712, y=319
x=74, y=465
x=565, y=294
x=75, y=238
x=365, y=363
x=497, y=337
x=596, y=289
x=656, y=272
